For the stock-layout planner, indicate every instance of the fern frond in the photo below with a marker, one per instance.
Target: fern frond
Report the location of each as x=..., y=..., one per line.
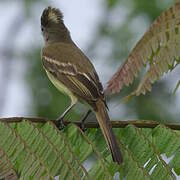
x=32, y=150
x=50, y=155
x=60, y=141
x=20, y=155
x=103, y=170
x=159, y=49
x=148, y=155
x=6, y=167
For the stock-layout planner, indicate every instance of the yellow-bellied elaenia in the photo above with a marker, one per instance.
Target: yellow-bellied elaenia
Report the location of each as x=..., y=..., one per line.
x=73, y=74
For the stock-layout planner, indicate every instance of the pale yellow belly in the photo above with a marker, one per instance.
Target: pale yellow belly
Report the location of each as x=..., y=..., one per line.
x=61, y=87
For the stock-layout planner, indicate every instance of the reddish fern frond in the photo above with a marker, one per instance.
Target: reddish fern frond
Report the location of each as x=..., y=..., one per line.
x=159, y=48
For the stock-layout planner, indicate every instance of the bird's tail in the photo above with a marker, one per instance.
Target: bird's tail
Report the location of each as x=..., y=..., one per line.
x=104, y=122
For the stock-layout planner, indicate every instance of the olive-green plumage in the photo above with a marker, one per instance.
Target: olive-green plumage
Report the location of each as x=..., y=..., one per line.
x=73, y=74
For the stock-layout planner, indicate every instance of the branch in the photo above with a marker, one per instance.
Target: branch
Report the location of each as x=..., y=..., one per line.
x=115, y=124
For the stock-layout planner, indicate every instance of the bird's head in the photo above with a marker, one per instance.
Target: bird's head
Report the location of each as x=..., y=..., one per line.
x=52, y=26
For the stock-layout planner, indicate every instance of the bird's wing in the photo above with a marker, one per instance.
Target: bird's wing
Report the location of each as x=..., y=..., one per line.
x=72, y=68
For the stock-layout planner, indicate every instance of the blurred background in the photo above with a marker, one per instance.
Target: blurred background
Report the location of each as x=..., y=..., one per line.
x=106, y=30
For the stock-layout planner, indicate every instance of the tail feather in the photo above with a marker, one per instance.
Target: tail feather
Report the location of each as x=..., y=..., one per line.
x=104, y=122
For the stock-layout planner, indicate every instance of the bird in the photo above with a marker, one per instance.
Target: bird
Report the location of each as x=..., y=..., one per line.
x=72, y=73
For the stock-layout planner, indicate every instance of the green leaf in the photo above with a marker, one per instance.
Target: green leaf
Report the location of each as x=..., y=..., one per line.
x=41, y=151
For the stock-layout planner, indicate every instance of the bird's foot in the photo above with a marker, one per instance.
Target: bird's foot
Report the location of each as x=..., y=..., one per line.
x=82, y=126
x=60, y=123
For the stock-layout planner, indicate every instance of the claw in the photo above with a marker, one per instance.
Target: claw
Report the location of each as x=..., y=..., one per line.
x=83, y=126
x=60, y=123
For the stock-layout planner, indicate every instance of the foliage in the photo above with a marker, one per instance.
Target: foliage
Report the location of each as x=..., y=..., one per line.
x=40, y=151
x=158, y=49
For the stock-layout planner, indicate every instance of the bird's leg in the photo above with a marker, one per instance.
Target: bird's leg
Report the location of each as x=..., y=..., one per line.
x=84, y=119
x=60, y=120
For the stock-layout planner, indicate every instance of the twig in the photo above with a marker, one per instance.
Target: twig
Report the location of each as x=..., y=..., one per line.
x=115, y=124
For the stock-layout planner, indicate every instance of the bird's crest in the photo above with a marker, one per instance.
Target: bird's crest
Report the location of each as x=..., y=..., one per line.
x=51, y=15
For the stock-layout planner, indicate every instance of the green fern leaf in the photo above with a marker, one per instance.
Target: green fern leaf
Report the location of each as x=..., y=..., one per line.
x=41, y=151
x=6, y=168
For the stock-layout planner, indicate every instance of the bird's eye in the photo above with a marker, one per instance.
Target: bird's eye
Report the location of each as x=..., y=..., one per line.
x=42, y=29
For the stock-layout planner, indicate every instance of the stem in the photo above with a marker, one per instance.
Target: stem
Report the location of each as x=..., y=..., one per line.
x=115, y=124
